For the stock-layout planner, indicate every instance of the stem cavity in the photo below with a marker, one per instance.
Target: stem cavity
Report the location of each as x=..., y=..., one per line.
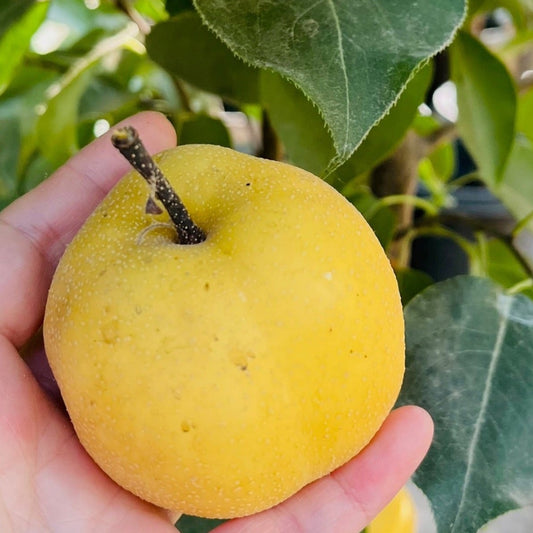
x=127, y=141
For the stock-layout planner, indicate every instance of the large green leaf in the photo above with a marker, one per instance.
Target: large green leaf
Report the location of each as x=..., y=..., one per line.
x=351, y=58
x=307, y=140
x=185, y=47
x=16, y=40
x=486, y=97
x=469, y=363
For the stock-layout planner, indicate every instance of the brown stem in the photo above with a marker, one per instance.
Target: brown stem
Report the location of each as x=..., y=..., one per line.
x=127, y=141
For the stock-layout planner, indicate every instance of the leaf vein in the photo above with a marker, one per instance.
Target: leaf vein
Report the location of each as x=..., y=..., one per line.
x=495, y=357
x=344, y=72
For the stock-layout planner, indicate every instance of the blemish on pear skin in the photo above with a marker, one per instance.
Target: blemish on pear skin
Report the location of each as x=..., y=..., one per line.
x=187, y=426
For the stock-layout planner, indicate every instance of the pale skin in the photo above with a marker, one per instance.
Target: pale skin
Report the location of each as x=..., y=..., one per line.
x=47, y=481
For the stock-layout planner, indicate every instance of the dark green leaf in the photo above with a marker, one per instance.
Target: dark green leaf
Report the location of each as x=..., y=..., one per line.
x=382, y=221
x=309, y=144
x=486, y=97
x=202, y=129
x=469, y=352
x=411, y=282
x=174, y=7
x=352, y=59
x=16, y=40
x=185, y=47
x=12, y=11
x=10, y=147
x=298, y=124
x=193, y=524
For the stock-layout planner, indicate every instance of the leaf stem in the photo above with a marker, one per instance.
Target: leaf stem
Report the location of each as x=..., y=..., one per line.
x=127, y=141
x=402, y=199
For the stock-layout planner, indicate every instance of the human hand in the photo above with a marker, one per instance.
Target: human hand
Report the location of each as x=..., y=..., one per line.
x=47, y=480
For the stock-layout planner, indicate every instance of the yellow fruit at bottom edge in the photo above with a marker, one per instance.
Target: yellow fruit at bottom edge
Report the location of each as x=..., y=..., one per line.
x=219, y=378
x=398, y=517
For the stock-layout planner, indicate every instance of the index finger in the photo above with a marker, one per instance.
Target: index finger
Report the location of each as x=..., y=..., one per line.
x=35, y=229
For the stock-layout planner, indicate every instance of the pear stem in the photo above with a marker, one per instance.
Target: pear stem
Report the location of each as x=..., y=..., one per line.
x=127, y=141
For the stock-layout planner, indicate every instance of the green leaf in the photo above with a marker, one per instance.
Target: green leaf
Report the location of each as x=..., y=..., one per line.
x=411, y=282
x=185, y=47
x=388, y=132
x=297, y=123
x=10, y=143
x=351, y=59
x=435, y=171
x=16, y=40
x=382, y=221
x=469, y=352
x=57, y=132
x=502, y=266
x=524, y=124
x=153, y=9
x=11, y=12
x=18, y=117
x=193, y=524
x=202, y=129
x=308, y=143
x=443, y=161
x=515, y=189
x=57, y=127
x=174, y=7
x=486, y=98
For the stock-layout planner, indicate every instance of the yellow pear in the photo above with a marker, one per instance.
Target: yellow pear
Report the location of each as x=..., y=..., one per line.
x=219, y=378
x=399, y=516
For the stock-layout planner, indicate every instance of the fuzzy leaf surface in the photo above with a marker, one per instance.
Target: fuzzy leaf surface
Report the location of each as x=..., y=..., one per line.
x=469, y=352
x=350, y=58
